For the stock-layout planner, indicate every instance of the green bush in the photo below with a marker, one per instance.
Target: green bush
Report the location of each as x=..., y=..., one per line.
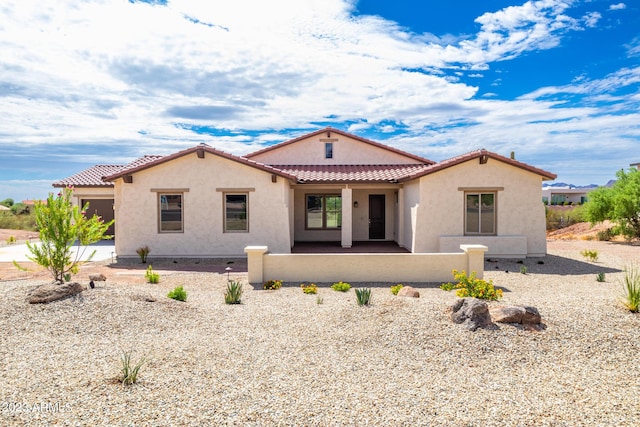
x=600, y=277
x=590, y=254
x=363, y=296
x=11, y=240
x=151, y=276
x=341, y=286
x=272, y=284
x=470, y=286
x=523, y=269
x=178, y=294
x=557, y=218
x=11, y=221
x=631, y=288
x=234, y=292
x=309, y=289
x=605, y=235
x=396, y=288
x=129, y=370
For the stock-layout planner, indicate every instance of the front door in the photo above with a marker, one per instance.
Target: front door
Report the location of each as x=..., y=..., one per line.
x=376, y=216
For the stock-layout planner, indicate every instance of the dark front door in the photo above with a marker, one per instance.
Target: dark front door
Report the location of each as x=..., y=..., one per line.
x=376, y=216
x=102, y=208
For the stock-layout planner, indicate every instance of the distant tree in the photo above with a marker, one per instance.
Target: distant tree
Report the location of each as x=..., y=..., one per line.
x=7, y=202
x=20, y=209
x=619, y=203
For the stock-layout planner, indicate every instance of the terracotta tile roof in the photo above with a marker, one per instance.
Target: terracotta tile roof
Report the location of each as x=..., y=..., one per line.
x=149, y=161
x=350, y=173
x=477, y=155
x=348, y=135
x=91, y=177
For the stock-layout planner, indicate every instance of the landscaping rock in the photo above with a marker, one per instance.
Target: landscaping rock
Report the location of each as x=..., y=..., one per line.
x=97, y=277
x=515, y=314
x=408, y=291
x=54, y=292
x=531, y=316
x=471, y=313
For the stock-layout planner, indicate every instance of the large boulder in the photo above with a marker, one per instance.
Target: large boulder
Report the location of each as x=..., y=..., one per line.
x=53, y=292
x=472, y=313
x=408, y=291
x=515, y=314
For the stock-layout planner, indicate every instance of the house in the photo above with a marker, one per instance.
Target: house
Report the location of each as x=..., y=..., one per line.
x=566, y=193
x=325, y=186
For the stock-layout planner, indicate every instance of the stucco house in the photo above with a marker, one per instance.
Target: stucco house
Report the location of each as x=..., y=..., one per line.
x=325, y=186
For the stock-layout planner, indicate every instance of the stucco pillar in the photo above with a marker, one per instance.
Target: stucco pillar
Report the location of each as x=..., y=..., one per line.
x=255, y=262
x=400, y=219
x=347, y=217
x=475, y=259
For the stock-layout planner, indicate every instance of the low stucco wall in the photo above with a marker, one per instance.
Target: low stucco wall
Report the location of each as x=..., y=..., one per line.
x=498, y=246
x=432, y=267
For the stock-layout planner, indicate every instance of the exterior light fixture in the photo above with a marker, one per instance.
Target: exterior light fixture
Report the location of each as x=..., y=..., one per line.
x=355, y=204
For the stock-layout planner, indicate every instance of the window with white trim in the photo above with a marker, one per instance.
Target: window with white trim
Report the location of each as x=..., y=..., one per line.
x=480, y=213
x=324, y=211
x=236, y=212
x=170, y=213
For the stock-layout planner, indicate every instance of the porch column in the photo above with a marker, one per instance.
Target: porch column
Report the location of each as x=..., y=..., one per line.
x=347, y=217
x=400, y=220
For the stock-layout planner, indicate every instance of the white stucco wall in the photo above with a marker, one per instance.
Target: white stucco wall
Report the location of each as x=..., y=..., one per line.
x=80, y=193
x=520, y=212
x=203, y=236
x=411, y=206
x=346, y=151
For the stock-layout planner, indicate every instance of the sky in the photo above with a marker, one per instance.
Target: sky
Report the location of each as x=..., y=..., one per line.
x=106, y=81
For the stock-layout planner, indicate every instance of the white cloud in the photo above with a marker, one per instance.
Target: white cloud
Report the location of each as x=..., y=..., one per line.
x=618, y=6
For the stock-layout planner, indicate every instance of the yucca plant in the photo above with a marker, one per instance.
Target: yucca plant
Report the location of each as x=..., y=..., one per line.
x=234, y=292
x=151, y=276
x=129, y=371
x=600, y=277
x=363, y=296
x=631, y=287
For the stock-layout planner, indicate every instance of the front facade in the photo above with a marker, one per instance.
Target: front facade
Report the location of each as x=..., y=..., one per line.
x=326, y=186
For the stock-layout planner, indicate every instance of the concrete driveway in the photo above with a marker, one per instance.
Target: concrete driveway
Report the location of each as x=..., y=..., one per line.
x=104, y=250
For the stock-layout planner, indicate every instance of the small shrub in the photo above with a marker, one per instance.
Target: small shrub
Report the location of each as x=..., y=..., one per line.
x=588, y=237
x=234, y=292
x=309, y=289
x=447, y=286
x=590, y=254
x=523, y=269
x=600, y=277
x=319, y=300
x=396, y=288
x=470, y=286
x=129, y=371
x=363, y=296
x=11, y=240
x=143, y=252
x=631, y=288
x=604, y=235
x=178, y=294
x=341, y=286
x=151, y=276
x=272, y=284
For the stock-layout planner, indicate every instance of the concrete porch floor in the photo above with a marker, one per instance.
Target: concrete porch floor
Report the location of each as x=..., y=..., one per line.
x=356, y=247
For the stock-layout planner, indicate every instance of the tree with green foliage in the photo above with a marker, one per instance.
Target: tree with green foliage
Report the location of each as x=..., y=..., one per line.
x=61, y=224
x=7, y=202
x=619, y=203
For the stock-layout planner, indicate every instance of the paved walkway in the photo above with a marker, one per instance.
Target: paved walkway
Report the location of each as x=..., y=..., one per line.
x=105, y=250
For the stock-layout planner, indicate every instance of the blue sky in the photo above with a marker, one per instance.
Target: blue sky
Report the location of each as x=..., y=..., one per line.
x=82, y=83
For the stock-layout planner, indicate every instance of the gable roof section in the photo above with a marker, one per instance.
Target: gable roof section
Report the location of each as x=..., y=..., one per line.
x=91, y=177
x=309, y=174
x=151, y=161
x=477, y=155
x=343, y=133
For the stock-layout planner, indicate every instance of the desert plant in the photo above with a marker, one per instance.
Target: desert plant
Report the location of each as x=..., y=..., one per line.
x=143, y=252
x=363, y=296
x=590, y=254
x=470, y=286
x=341, y=286
x=631, y=288
x=605, y=235
x=523, y=269
x=396, y=288
x=233, y=295
x=272, y=284
x=151, y=276
x=319, y=300
x=130, y=371
x=11, y=240
x=447, y=286
x=61, y=224
x=178, y=294
x=600, y=277
x=309, y=289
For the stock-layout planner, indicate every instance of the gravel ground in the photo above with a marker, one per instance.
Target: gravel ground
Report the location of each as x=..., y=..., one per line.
x=281, y=358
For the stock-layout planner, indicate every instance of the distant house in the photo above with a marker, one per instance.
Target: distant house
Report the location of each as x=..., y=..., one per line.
x=635, y=165
x=565, y=194
x=325, y=186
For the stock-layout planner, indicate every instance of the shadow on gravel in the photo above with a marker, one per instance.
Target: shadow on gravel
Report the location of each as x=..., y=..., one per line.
x=196, y=265
x=550, y=264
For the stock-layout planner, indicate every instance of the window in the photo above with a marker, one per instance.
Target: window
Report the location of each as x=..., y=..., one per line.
x=480, y=213
x=236, y=218
x=324, y=211
x=170, y=207
x=328, y=150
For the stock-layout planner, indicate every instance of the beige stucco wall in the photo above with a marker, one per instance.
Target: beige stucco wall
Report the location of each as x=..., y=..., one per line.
x=137, y=209
x=346, y=151
x=411, y=192
x=80, y=193
x=520, y=211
